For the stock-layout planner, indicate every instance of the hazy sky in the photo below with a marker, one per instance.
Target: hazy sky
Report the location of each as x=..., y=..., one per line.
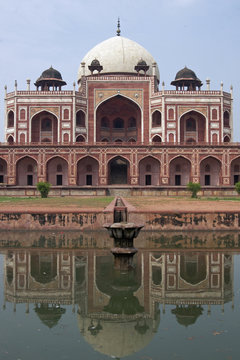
x=201, y=34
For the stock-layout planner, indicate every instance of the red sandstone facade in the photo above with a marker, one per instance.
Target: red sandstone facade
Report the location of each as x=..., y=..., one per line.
x=118, y=129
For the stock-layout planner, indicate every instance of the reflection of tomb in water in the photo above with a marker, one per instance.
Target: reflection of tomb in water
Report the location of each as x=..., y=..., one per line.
x=118, y=314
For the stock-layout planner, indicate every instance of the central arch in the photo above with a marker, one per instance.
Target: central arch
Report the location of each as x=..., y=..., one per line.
x=118, y=171
x=180, y=171
x=118, y=118
x=192, y=127
x=44, y=127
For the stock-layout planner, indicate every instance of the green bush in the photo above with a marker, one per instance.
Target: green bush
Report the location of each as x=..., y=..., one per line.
x=237, y=187
x=43, y=188
x=194, y=188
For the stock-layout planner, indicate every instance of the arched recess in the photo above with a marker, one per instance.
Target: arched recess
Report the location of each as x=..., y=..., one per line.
x=115, y=119
x=149, y=171
x=192, y=126
x=10, y=140
x=180, y=171
x=156, y=119
x=118, y=171
x=57, y=171
x=44, y=267
x=235, y=171
x=87, y=171
x=226, y=119
x=156, y=139
x=10, y=119
x=44, y=126
x=26, y=171
x=226, y=139
x=80, y=119
x=22, y=138
x=210, y=169
x=3, y=171
x=193, y=268
x=80, y=138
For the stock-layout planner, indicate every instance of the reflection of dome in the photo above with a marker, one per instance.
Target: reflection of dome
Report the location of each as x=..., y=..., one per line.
x=118, y=338
x=118, y=55
x=187, y=315
x=49, y=315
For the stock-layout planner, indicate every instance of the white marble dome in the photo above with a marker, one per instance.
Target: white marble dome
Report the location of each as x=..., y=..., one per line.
x=118, y=55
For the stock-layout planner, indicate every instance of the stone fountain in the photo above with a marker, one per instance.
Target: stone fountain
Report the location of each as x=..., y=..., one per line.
x=123, y=233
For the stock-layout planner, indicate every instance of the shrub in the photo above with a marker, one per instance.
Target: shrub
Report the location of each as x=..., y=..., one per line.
x=194, y=188
x=43, y=188
x=237, y=187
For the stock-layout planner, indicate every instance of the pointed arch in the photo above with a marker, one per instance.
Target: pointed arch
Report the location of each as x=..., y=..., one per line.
x=156, y=119
x=10, y=119
x=156, y=139
x=87, y=171
x=193, y=125
x=10, y=140
x=44, y=124
x=26, y=171
x=179, y=171
x=118, y=170
x=57, y=171
x=210, y=171
x=80, y=138
x=149, y=171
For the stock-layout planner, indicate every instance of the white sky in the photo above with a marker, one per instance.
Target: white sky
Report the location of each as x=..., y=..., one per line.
x=201, y=34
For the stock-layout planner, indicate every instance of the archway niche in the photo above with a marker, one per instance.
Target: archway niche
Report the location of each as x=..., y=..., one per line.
x=87, y=172
x=157, y=139
x=192, y=126
x=226, y=139
x=3, y=171
x=44, y=126
x=10, y=119
x=44, y=267
x=80, y=119
x=80, y=138
x=210, y=169
x=118, y=169
x=179, y=171
x=193, y=268
x=10, y=140
x=149, y=171
x=235, y=171
x=226, y=119
x=57, y=171
x=156, y=119
x=26, y=172
x=118, y=118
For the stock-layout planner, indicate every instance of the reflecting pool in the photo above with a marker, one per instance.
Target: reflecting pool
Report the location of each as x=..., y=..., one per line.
x=61, y=297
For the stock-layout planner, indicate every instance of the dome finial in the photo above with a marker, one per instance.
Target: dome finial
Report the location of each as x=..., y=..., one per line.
x=118, y=28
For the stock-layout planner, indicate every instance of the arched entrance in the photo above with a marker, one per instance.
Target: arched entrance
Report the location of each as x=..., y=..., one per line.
x=210, y=169
x=3, y=171
x=26, y=172
x=87, y=172
x=149, y=171
x=44, y=127
x=118, y=118
x=118, y=171
x=235, y=171
x=180, y=170
x=192, y=126
x=57, y=171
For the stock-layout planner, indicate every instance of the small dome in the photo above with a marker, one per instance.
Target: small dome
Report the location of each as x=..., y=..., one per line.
x=118, y=55
x=51, y=73
x=186, y=73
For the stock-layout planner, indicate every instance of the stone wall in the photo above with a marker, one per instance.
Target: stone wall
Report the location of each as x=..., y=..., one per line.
x=95, y=220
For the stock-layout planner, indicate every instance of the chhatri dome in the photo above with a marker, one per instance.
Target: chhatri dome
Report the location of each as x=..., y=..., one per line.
x=118, y=55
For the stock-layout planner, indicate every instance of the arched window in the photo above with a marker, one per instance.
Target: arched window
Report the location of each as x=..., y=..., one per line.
x=66, y=137
x=46, y=124
x=59, y=168
x=214, y=114
x=156, y=119
x=119, y=141
x=226, y=139
x=104, y=140
x=80, y=119
x=22, y=114
x=207, y=168
x=66, y=114
x=80, y=138
x=10, y=140
x=191, y=125
x=156, y=139
x=11, y=119
x=131, y=140
x=118, y=123
x=226, y=119
x=104, y=122
x=132, y=122
x=170, y=114
x=22, y=138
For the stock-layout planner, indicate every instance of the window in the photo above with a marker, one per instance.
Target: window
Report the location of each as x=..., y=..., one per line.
x=156, y=119
x=226, y=119
x=80, y=119
x=10, y=119
x=118, y=123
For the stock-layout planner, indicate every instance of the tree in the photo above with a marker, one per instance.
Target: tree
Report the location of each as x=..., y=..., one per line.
x=237, y=187
x=194, y=188
x=43, y=188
